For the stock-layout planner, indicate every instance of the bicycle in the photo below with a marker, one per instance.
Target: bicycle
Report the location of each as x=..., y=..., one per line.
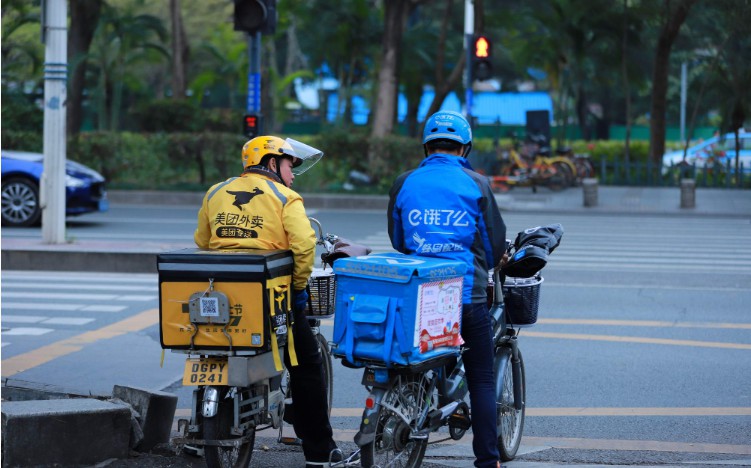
x=582, y=163
x=238, y=390
x=554, y=172
x=406, y=403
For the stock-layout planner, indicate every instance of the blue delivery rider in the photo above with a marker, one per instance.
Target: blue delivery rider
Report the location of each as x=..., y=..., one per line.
x=444, y=209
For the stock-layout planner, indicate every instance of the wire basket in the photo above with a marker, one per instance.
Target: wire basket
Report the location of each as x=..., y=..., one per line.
x=521, y=297
x=322, y=290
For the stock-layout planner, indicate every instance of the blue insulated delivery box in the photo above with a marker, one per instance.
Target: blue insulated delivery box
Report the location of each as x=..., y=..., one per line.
x=397, y=309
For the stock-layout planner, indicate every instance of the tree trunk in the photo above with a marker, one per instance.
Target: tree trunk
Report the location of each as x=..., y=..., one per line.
x=388, y=81
x=626, y=85
x=582, y=113
x=84, y=17
x=444, y=86
x=413, y=93
x=179, y=51
x=668, y=33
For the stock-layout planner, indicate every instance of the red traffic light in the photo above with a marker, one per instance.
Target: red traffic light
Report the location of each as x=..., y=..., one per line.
x=482, y=47
x=251, y=125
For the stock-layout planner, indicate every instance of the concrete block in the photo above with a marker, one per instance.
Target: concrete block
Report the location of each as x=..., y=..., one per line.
x=589, y=190
x=156, y=413
x=22, y=390
x=69, y=432
x=688, y=193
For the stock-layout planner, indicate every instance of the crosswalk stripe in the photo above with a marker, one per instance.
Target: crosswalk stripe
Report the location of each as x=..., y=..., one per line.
x=67, y=321
x=79, y=278
x=39, y=306
x=92, y=297
x=21, y=318
x=80, y=287
x=103, y=308
x=27, y=331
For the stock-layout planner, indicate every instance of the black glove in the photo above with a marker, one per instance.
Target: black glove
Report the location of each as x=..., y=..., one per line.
x=300, y=299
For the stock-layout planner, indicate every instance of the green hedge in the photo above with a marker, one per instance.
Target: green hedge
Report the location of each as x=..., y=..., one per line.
x=197, y=160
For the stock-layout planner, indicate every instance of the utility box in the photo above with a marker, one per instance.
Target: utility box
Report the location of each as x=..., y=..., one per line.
x=223, y=299
x=397, y=309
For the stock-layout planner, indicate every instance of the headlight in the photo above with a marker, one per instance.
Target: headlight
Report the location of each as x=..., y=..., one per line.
x=73, y=182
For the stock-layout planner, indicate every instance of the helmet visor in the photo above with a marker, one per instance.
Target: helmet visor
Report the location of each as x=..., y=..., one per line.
x=306, y=155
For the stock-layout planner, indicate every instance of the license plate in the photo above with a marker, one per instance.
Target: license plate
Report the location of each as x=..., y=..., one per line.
x=205, y=371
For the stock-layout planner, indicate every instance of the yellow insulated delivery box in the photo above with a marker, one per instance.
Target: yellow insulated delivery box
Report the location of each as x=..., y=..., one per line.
x=222, y=299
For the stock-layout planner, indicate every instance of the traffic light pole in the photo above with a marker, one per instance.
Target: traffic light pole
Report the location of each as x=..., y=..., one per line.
x=253, y=105
x=52, y=186
x=469, y=32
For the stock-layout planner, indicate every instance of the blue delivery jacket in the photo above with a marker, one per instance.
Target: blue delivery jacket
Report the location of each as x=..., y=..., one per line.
x=445, y=209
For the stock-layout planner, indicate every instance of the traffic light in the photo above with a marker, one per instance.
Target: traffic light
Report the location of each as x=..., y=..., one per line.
x=255, y=15
x=482, y=68
x=251, y=125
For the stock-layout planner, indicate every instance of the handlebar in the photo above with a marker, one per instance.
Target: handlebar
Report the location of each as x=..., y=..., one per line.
x=327, y=240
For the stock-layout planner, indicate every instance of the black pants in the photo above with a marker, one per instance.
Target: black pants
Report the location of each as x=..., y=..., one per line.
x=311, y=417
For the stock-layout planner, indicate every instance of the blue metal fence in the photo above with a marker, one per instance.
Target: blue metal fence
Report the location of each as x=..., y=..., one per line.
x=657, y=175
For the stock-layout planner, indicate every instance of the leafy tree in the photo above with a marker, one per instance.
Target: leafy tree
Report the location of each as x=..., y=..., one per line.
x=84, y=18
x=22, y=52
x=225, y=58
x=180, y=50
x=672, y=16
x=344, y=39
x=123, y=40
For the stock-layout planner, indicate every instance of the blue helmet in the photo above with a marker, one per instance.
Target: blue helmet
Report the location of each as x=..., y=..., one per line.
x=447, y=125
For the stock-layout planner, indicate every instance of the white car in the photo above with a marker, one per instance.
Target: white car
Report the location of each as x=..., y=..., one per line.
x=715, y=150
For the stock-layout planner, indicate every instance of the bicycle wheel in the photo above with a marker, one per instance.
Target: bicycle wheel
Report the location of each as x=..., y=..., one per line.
x=584, y=168
x=399, y=410
x=510, y=421
x=218, y=428
x=328, y=369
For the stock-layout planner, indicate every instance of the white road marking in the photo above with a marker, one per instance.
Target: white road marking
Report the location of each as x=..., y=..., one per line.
x=79, y=297
x=103, y=308
x=39, y=306
x=68, y=321
x=21, y=318
x=78, y=286
x=27, y=331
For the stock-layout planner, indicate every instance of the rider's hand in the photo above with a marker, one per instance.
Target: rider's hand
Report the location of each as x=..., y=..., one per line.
x=300, y=299
x=504, y=260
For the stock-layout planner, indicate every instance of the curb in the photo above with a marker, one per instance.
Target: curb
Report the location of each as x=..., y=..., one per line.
x=81, y=429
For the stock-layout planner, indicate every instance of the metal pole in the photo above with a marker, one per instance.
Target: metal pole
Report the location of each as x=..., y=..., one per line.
x=469, y=32
x=253, y=105
x=52, y=190
x=684, y=81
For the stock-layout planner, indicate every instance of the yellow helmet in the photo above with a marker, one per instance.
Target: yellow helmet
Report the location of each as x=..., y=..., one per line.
x=255, y=149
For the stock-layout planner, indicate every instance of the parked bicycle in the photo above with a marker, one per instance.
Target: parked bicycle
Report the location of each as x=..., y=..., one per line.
x=406, y=403
x=532, y=170
x=582, y=163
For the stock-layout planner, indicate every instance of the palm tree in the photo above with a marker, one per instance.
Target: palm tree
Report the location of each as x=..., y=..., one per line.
x=122, y=41
x=225, y=59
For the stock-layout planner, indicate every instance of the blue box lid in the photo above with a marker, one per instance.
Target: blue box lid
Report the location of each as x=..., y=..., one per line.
x=399, y=268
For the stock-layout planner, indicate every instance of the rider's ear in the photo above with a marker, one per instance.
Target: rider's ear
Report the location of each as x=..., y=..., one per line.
x=272, y=164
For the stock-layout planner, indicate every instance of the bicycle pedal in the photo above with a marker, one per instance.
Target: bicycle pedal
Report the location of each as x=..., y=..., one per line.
x=290, y=441
x=460, y=421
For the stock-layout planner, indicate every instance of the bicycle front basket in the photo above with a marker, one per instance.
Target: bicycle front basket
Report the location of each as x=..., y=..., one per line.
x=322, y=286
x=521, y=297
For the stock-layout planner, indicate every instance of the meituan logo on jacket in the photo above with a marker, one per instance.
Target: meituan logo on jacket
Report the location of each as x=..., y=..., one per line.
x=243, y=198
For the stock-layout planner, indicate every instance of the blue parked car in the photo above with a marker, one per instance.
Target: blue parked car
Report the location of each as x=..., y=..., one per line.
x=21, y=171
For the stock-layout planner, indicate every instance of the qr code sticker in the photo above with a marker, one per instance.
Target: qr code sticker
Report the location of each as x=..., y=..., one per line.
x=209, y=306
